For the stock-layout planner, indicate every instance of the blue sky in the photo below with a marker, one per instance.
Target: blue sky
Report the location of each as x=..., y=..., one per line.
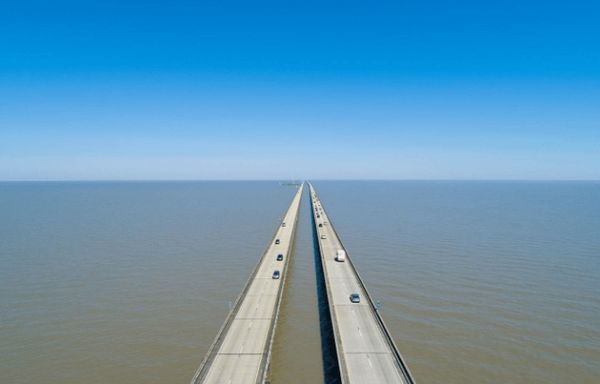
x=279, y=90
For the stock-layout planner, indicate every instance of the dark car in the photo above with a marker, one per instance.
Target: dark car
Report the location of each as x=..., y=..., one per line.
x=276, y=274
x=280, y=257
x=277, y=241
x=355, y=298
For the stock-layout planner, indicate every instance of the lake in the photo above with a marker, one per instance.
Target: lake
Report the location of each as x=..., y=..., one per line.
x=129, y=282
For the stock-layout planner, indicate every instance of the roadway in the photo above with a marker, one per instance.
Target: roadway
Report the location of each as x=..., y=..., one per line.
x=241, y=351
x=365, y=349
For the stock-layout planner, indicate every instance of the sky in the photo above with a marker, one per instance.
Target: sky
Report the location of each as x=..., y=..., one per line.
x=186, y=90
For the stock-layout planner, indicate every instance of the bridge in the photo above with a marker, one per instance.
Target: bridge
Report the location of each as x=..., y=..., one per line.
x=242, y=349
x=366, y=352
x=365, y=349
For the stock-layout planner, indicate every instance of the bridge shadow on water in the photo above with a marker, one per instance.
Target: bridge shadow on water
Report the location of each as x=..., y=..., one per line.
x=328, y=349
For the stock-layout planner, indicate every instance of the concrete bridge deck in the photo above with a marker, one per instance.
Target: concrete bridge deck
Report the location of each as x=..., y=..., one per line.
x=241, y=351
x=365, y=349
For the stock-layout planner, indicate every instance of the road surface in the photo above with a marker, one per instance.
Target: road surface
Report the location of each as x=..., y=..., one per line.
x=241, y=351
x=365, y=349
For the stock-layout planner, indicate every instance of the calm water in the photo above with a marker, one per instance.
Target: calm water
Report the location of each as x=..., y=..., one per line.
x=129, y=282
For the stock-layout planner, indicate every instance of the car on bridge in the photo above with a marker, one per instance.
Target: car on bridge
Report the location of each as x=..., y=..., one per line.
x=280, y=257
x=355, y=298
x=277, y=241
x=276, y=275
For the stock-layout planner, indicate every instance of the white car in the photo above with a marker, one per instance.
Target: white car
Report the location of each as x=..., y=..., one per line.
x=323, y=236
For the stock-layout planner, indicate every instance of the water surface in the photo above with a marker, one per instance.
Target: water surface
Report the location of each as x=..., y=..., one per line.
x=129, y=282
x=481, y=282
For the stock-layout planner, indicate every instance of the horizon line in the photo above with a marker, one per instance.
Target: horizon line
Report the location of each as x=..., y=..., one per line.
x=282, y=180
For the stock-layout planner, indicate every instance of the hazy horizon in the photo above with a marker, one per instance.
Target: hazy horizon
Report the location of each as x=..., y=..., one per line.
x=288, y=180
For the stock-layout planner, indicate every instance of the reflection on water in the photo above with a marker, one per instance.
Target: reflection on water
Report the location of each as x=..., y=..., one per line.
x=129, y=282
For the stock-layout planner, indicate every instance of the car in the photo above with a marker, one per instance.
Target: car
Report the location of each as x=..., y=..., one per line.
x=320, y=224
x=280, y=257
x=355, y=298
x=323, y=236
x=283, y=224
x=276, y=275
x=277, y=241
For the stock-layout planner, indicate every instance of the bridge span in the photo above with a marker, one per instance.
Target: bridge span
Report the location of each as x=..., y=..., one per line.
x=365, y=349
x=241, y=352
